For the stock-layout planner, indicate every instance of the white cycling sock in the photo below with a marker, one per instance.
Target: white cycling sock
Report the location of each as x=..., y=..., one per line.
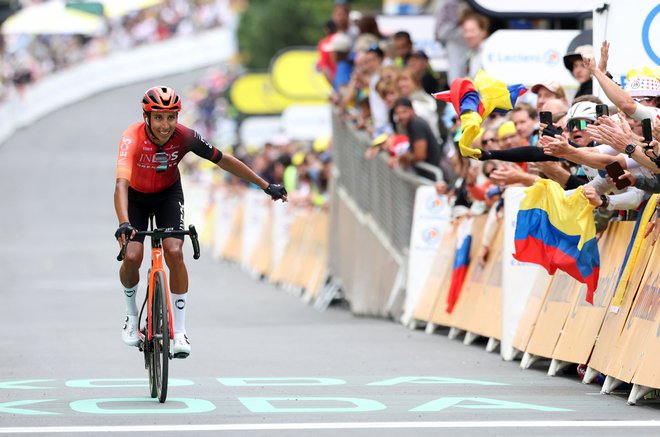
x=179, y=301
x=129, y=295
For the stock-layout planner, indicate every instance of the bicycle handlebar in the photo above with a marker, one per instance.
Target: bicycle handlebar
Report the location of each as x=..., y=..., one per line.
x=163, y=233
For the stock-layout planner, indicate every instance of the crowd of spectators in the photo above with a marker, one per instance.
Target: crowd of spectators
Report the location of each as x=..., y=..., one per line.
x=25, y=58
x=567, y=135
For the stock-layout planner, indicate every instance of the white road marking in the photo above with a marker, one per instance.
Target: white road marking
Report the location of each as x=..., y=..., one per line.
x=331, y=425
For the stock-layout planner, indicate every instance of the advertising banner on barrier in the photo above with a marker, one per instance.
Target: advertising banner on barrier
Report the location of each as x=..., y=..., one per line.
x=529, y=56
x=282, y=218
x=531, y=312
x=518, y=278
x=585, y=320
x=441, y=268
x=431, y=216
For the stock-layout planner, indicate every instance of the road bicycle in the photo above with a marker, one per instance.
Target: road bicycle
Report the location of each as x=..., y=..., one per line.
x=157, y=333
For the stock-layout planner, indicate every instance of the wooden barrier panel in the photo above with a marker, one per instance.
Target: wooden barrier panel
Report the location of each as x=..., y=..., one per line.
x=632, y=345
x=287, y=268
x=607, y=348
x=318, y=249
x=232, y=249
x=260, y=260
x=646, y=312
x=487, y=318
x=561, y=296
x=224, y=210
x=442, y=267
x=532, y=310
x=585, y=320
x=440, y=316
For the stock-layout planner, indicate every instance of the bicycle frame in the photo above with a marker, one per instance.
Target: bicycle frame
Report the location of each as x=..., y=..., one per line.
x=157, y=236
x=157, y=266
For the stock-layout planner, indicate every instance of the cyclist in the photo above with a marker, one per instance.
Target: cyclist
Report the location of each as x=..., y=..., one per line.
x=148, y=181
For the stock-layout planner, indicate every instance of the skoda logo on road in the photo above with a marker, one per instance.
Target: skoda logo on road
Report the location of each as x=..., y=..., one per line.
x=646, y=34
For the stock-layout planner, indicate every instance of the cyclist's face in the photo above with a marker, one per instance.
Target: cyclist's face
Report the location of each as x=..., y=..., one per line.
x=163, y=124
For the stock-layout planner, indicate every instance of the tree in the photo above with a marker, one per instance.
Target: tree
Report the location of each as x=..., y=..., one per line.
x=268, y=26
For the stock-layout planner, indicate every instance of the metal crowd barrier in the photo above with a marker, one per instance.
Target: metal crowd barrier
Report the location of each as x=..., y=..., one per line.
x=370, y=223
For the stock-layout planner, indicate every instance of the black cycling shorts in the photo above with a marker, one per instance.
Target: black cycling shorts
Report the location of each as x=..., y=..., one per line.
x=166, y=205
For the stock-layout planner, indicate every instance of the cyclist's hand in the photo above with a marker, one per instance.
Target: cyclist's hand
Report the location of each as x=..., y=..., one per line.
x=124, y=230
x=276, y=191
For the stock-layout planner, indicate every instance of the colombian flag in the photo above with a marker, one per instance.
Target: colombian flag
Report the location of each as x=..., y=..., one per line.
x=461, y=261
x=558, y=232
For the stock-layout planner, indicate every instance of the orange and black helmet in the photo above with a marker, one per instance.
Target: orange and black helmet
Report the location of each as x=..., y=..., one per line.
x=161, y=99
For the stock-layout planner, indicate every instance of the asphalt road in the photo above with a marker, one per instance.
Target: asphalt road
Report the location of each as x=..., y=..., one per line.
x=263, y=363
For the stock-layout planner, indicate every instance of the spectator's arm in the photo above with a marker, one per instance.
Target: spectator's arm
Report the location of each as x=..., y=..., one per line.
x=611, y=89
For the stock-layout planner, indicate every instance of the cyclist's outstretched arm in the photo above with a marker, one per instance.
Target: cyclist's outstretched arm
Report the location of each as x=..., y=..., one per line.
x=238, y=168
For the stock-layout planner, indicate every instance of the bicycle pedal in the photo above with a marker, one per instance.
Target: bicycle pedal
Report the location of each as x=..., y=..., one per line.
x=181, y=355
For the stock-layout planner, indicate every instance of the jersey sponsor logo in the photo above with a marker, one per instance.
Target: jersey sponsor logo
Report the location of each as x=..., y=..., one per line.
x=202, y=139
x=181, y=222
x=123, y=151
x=152, y=159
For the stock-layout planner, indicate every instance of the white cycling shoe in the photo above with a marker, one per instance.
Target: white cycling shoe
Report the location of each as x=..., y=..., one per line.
x=181, y=348
x=129, y=332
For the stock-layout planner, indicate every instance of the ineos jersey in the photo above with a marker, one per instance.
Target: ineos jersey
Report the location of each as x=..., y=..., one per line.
x=137, y=160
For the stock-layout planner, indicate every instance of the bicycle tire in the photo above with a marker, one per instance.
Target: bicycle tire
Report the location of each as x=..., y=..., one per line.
x=148, y=350
x=161, y=337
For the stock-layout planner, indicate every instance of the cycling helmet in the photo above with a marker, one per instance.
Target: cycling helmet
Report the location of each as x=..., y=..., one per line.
x=582, y=110
x=161, y=99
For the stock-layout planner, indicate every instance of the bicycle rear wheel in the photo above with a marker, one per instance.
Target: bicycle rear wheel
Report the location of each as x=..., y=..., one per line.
x=161, y=338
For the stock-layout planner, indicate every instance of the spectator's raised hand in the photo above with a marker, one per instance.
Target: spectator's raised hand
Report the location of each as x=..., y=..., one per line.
x=604, y=56
x=557, y=146
x=589, y=62
x=626, y=175
x=616, y=133
x=656, y=128
x=591, y=195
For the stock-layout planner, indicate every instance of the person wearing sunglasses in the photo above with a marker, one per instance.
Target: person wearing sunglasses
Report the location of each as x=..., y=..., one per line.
x=582, y=148
x=148, y=182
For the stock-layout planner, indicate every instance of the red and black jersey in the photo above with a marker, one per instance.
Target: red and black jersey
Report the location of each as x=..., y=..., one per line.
x=137, y=160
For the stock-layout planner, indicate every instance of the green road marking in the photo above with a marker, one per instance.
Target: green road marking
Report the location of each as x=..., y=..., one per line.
x=121, y=383
x=432, y=380
x=357, y=405
x=485, y=404
x=18, y=385
x=279, y=382
x=9, y=407
x=91, y=406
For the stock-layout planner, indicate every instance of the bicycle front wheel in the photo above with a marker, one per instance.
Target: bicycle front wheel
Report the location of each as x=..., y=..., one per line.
x=161, y=337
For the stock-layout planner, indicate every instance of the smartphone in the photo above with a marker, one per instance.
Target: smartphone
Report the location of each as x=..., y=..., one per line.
x=602, y=110
x=615, y=170
x=647, y=130
x=545, y=117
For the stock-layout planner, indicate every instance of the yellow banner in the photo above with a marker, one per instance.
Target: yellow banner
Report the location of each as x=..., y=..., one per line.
x=294, y=75
x=254, y=93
